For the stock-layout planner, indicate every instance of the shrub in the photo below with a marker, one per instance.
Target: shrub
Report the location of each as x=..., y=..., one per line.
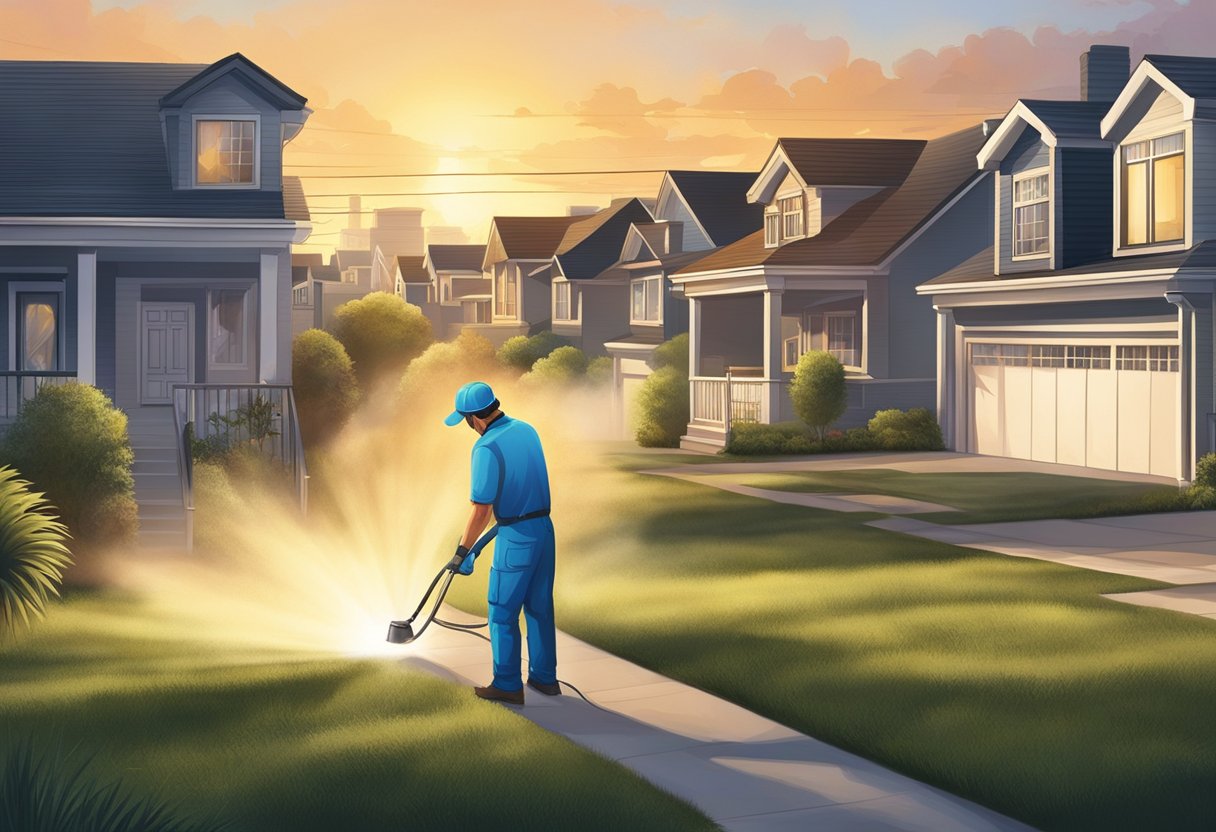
x=1205, y=471
x=323, y=378
x=672, y=353
x=818, y=391
x=522, y=351
x=753, y=439
x=33, y=554
x=912, y=430
x=662, y=409
x=562, y=366
x=599, y=371
x=448, y=364
x=1202, y=497
x=381, y=333
x=71, y=442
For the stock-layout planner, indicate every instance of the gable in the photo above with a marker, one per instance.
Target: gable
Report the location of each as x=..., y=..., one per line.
x=673, y=208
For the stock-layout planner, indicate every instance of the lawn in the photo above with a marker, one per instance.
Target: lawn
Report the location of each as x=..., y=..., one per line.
x=1008, y=681
x=284, y=741
x=983, y=497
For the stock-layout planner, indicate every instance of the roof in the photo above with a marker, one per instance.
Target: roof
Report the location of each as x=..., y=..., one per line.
x=1195, y=76
x=331, y=273
x=89, y=144
x=864, y=162
x=462, y=258
x=718, y=199
x=345, y=258
x=978, y=269
x=307, y=258
x=1070, y=119
x=594, y=243
x=669, y=263
x=261, y=80
x=874, y=227
x=412, y=269
x=531, y=238
x=299, y=274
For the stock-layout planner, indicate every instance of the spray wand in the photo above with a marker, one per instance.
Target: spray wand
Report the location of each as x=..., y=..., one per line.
x=402, y=632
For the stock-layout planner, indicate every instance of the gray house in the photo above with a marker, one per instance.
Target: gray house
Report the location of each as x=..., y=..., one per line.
x=1083, y=333
x=145, y=248
x=851, y=227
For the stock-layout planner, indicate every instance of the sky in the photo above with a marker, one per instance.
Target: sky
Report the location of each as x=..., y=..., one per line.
x=443, y=88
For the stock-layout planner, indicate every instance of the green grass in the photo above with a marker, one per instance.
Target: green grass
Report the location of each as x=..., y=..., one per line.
x=1008, y=681
x=277, y=741
x=984, y=497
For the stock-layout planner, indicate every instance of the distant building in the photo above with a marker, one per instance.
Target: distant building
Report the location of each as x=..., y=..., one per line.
x=355, y=236
x=446, y=235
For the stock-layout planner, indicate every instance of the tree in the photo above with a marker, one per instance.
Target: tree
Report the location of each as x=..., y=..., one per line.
x=381, y=333
x=522, y=351
x=563, y=365
x=449, y=364
x=325, y=388
x=662, y=408
x=818, y=392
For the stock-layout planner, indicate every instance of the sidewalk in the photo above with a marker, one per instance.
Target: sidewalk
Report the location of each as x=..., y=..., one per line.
x=746, y=772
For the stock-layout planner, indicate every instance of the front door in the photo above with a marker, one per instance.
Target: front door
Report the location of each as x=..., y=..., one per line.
x=166, y=358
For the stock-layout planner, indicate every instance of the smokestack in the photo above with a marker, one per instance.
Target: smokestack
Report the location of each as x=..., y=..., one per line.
x=356, y=212
x=1104, y=72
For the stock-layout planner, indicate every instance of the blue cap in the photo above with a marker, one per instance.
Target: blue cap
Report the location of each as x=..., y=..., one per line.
x=474, y=396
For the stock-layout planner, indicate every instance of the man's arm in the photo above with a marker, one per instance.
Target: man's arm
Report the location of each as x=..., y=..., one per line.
x=479, y=518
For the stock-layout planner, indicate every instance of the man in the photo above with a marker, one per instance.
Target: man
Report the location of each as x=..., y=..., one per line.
x=511, y=481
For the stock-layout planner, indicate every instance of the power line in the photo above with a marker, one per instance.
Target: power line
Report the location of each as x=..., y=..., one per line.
x=496, y=173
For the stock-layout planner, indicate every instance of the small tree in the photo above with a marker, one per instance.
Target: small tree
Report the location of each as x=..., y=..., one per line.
x=325, y=388
x=381, y=333
x=562, y=366
x=522, y=351
x=662, y=409
x=469, y=357
x=818, y=392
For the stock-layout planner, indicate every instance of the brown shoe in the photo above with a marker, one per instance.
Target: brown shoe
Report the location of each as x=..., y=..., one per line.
x=548, y=690
x=511, y=697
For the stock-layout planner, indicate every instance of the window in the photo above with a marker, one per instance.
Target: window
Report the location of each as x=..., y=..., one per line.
x=646, y=306
x=38, y=331
x=1131, y=358
x=225, y=152
x=772, y=229
x=505, y=283
x=1046, y=356
x=1156, y=359
x=1153, y=191
x=445, y=284
x=790, y=353
x=1031, y=207
x=481, y=312
x=1087, y=358
x=228, y=324
x=561, y=302
x=841, y=329
x=1163, y=359
x=791, y=216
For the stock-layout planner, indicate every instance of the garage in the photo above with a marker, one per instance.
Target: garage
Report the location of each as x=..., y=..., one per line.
x=1111, y=405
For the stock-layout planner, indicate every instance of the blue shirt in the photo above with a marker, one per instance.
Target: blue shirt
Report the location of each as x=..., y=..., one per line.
x=524, y=478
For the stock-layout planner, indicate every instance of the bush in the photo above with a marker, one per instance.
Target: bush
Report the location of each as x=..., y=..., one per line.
x=381, y=333
x=818, y=391
x=912, y=430
x=1205, y=471
x=522, y=351
x=71, y=442
x=662, y=409
x=753, y=439
x=33, y=554
x=468, y=357
x=562, y=366
x=673, y=353
x=1202, y=497
x=599, y=371
x=323, y=378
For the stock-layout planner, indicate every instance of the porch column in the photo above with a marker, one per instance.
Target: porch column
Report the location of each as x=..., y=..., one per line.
x=86, y=317
x=694, y=337
x=945, y=373
x=268, y=317
x=772, y=355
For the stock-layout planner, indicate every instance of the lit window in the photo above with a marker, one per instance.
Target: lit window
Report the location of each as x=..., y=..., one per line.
x=228, y=327
x=646, y=306
x=791, y=216
x=1030, y=216
x=562, y=301
x=38, y=341
x=224, y=152
x=772, y=230
x=1153, y=195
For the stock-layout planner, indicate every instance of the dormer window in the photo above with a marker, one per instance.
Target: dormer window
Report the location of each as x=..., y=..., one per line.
x=791, y=216
x=1153, y=191
x=772, y=230
x=226, y=153
x=1031, y=215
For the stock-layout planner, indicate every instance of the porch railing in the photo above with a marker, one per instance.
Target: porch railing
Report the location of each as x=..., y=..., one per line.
x=19, y=386
x=724, y=401
x=221, y=417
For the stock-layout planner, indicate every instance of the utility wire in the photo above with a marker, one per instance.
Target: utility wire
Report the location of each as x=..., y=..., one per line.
x=496, y=173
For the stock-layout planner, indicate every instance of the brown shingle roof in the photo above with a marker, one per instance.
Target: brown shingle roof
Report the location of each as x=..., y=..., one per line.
x=457, y=258
x=872, y=162
x=412, y=270
x=532, y=238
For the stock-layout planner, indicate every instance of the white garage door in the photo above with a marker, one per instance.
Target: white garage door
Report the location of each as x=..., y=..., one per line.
x=1112, y=406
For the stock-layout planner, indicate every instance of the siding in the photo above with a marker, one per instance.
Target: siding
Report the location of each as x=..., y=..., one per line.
x=673, y=209
x=1203, y=183
x=536, y=308
x=105, y=331
x=1085, y=196
x=1164, y=115
x=1028, y=153
x=1204, y=372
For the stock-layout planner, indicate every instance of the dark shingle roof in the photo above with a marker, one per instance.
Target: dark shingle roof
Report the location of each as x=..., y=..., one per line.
x=1195, y=76
x=88, y=143
x=270, y=87
x=871, y=229
x=594, y=243
x=1071, y=119
x=866, y=162
x=718, y=199
x=412, y=270
x=462, y=258
x=532, y=238
x=330, y=273
x=978, y=269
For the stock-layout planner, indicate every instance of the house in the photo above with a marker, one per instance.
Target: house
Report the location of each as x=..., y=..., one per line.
x=461, y=292
x=312, y=307
x=412, y=282
x=850, y=228
x=1083, y=333
x=587, y=311
x=145, y=248
x=518, y=261
x=695, y=213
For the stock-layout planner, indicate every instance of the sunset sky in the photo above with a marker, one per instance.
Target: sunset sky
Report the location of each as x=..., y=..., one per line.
x=536, y=86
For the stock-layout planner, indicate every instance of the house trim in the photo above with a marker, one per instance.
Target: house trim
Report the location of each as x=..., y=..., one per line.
x=1144, y=75
x=1010, y=129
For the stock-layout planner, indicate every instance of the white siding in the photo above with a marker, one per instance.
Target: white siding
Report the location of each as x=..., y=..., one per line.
x=1164, y=116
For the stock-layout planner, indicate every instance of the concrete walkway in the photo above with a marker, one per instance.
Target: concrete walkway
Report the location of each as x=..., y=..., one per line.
x=746, y=772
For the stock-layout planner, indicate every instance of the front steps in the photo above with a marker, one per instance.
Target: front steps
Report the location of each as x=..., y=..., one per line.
x=704, y=438
x=158, y=484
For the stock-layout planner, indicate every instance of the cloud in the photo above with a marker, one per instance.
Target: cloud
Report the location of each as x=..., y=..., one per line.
x=618, y=110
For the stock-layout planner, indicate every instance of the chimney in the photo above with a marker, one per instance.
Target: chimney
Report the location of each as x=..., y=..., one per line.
x=1104, y=72
x=356, y=212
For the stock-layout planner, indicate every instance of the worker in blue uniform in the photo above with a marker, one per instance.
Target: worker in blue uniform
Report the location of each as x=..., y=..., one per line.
x=510, y=481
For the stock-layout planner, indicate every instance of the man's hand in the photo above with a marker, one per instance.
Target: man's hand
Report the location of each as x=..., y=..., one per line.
x=458, y=559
